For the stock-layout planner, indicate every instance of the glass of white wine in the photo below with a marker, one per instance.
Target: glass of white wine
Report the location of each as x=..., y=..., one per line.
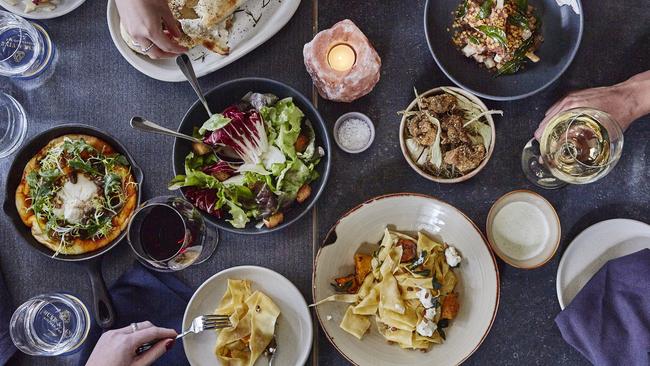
x=578, y=146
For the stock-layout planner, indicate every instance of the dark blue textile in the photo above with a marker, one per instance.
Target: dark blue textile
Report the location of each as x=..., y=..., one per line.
x=609, y=320
x=7, y=348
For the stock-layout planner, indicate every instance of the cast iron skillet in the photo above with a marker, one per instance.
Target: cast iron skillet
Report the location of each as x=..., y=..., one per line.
x=102, y=305
x=230, y=93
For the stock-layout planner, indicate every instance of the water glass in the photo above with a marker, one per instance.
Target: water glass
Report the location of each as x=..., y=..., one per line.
x=50, y=325
x=13, y=125
x=26, y=49
x=169, y=234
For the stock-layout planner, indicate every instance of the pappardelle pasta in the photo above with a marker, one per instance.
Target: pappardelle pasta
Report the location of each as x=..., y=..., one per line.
x=253, y=316
x=407, y=286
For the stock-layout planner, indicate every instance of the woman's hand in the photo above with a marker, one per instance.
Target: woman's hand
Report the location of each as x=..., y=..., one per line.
x=117, y=347
x=625, y=102
x=144, y=19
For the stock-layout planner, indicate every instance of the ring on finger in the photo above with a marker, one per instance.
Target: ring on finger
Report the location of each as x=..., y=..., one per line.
x=148, y=48
x=134, y=327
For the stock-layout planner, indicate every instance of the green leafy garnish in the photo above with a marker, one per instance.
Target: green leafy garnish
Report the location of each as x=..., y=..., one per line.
x=486, y=9
x=496, y=33
x=473, y=40
x=519, y=20
x=462, y=9
x=518, y=58
x=522, y=5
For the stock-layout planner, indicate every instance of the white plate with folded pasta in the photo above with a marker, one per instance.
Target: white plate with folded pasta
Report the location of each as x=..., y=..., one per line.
x=260, y=303
x=217, y=32
x=405, y=279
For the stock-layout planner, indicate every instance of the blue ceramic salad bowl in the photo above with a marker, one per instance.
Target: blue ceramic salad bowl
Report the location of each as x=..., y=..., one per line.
x=266, y=166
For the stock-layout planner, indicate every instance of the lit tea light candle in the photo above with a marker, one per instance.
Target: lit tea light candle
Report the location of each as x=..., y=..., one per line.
x=341, y=57
x=342, y=63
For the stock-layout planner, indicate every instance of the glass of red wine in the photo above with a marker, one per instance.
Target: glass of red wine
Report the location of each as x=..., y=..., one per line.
x=169, y=234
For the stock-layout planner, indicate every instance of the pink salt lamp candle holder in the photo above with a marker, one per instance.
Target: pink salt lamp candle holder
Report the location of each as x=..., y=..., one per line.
x=342, y=63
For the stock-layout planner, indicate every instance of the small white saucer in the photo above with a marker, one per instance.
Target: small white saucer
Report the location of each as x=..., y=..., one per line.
x=360, y=116
x=527, y=233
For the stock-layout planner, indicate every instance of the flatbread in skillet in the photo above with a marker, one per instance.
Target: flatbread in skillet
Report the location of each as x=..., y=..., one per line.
x=85, y=182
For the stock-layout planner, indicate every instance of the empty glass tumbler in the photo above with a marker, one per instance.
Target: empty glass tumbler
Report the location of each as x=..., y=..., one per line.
x=26, y=49
x=50, y=325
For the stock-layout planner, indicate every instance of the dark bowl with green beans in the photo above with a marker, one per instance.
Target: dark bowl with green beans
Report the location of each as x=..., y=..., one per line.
x=561, y=29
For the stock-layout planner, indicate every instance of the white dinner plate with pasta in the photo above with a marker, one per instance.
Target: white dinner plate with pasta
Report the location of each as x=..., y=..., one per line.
x=260, y=302
x=405, y=279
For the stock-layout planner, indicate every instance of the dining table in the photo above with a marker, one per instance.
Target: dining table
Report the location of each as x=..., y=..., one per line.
x=91, y=83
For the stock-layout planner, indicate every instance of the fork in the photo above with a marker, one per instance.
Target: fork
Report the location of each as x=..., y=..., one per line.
x=199, y=324
x=270, y=350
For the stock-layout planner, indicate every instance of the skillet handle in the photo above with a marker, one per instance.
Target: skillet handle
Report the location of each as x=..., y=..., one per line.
x=102, y=303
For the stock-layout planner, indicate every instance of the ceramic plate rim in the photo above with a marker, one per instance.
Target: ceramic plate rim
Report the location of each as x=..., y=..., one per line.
x=246, y=47
x=418, y=195
x=304, y=354
x=43, y=15
x=597, y=226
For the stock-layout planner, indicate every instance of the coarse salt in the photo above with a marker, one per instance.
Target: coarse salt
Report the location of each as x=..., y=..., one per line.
x=354, y=134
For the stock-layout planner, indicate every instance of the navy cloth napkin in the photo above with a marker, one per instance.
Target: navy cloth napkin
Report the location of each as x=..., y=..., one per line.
x=7, y=348
x=609, y=320
x=139, y=295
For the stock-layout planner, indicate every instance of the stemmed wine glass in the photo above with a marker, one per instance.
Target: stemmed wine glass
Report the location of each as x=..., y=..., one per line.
x=578, y=146
x=169, y=234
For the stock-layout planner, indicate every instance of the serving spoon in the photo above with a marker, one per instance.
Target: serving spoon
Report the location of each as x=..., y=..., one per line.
x=185, y=64
x=143, y=124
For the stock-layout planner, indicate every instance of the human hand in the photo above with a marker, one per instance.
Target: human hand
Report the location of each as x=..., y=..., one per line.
x=144, y=20
x=625, y=102
x=117, y=347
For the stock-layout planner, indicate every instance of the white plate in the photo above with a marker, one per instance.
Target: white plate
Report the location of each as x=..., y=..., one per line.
x=478, y=278
x=63, y=8
x=594, y=247
x=245, y=37
x=294, y=329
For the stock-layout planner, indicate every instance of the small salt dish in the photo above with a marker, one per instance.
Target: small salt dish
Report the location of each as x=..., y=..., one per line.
x=352, y=116
x=523, y=229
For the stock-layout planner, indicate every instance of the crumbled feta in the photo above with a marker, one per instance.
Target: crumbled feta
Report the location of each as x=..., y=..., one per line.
x=469, y=50
x=526, y=34
x=329, y=317
x=430, y=313
x=425, y=298
x=498, y=58
x=489, y=63
x=452, y=256
x=399, y=308
x=426, y=328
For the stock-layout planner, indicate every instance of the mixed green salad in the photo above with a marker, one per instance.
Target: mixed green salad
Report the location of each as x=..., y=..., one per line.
x=260, y=159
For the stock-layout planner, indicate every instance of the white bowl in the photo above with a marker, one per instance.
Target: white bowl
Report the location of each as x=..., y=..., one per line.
x=360, y=116
x=547, y=247
x=402, y=143
x=65, y=7
x=294, y=330
x=478, y=286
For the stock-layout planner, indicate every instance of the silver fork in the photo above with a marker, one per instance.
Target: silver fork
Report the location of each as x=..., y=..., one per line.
x=270, y=350
x=199, y=324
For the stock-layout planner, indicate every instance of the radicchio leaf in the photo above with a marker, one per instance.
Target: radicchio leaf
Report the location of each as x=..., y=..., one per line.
x=204, y=199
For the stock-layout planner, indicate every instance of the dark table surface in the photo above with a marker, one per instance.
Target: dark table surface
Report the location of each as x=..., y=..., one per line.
x=93, y=84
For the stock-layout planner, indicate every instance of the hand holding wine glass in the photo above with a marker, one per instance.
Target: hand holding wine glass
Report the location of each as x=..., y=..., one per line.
x=625, y=102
